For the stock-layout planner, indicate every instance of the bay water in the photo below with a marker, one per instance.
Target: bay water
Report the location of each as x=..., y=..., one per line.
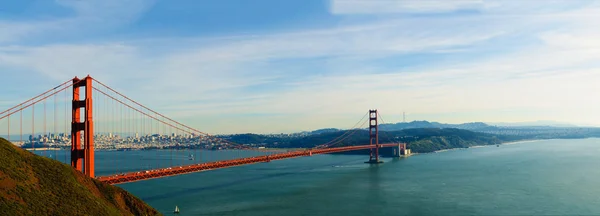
x=547, y=177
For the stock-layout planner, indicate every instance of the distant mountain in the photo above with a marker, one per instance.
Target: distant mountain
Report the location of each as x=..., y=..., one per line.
x=421, y=140
x=532, y=124
x=427, y=124
x=324, y=130
x=421, y=136
x=538, y=129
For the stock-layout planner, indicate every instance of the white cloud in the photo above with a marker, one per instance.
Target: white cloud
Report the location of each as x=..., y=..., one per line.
x=15, y=31
x=401, y=6
x=550, y=64
x=91, y=16
x=192, y=66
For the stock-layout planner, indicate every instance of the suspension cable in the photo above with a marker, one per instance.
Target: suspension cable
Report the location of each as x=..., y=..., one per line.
x=164, y=117
x=383, y=122
x=348, y=136
x=5, y=111
x=152, y=111
x=325, y=145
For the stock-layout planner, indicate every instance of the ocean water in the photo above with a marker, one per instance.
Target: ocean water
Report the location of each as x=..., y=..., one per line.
x=549, y=177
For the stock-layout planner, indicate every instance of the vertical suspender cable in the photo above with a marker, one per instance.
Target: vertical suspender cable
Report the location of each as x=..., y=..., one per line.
x=123, y=130
x=186, y=147
x=97, y=120
x=113, y=113
x=158, y=159
x=32, y=136
x=195, y=147
x=106, y=123
x=127, y=123
x=44, y=136
x=63, y=138
x=170, y=143
x=112, y=125
x=174, y=145
x=54, y=127
x=21, y=126
x=66, y=134
x=190, y=142
x=143, y=120
x=163, y=143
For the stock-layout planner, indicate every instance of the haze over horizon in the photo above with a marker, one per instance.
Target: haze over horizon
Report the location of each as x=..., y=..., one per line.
x=234, y=66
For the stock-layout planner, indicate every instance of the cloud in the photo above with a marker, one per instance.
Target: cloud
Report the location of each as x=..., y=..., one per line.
x=193, y=65
x=401, y=6
x=483, y=67
x=480, y=7
x=15, y=31
x=90, y=17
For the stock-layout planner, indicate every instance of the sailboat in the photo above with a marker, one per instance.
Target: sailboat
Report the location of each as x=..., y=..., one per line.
x=176, y=210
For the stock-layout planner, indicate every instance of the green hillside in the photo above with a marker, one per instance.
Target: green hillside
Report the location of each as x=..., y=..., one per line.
x=420, y=140
x=34, y=185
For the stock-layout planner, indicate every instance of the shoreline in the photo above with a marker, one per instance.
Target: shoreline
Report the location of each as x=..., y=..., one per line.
x=525, y=141
x=291, y=149
x=482, y=146
x=42, y=149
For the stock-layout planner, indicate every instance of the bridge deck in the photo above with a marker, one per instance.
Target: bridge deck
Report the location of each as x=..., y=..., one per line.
x=178, y=170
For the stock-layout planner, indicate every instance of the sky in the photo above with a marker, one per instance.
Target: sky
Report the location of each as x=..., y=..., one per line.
x=270, y=66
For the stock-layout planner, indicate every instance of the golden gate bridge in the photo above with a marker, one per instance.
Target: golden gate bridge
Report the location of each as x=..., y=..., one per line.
x=91, y=115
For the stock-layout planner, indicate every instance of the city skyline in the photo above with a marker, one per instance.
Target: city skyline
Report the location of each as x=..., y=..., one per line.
x=305, y=65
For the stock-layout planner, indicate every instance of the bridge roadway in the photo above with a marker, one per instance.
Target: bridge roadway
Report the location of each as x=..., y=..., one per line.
x=178, y=170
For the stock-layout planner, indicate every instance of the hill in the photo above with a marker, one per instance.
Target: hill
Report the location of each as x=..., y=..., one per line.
x=35, y=185
x=420, y=140
x=427, y=124
x=424, y=140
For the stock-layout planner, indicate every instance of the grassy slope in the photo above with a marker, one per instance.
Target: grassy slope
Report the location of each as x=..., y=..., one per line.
x=34, y=185
x=420, y=140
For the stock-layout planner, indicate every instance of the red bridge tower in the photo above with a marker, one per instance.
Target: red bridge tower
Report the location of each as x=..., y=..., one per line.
x=374, y=137
x=83, y=153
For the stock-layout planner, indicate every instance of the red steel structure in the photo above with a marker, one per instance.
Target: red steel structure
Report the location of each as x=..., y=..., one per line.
x=83, y=153
x=82, y=123
x=178, y=170
x=373, y=137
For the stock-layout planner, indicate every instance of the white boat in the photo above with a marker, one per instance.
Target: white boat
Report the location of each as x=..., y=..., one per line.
x=176, y=210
